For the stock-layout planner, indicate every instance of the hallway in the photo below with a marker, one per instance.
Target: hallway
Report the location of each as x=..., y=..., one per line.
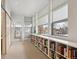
x=50, y=25
x=24, y=50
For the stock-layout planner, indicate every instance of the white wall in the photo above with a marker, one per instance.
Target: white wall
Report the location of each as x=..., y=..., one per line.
x=8, y=23
x=3, y=32
x=7, y=7
x=12, y=31
x=18, y=20
x=72, y=20
x=8, y=38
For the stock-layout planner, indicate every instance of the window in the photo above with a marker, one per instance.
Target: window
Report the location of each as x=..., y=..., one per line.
x=43, y=29
x=43, y=25
x=60, y=20
x=60, y=28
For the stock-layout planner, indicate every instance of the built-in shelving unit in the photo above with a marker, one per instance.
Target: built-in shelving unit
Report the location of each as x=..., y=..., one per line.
x=54, y=49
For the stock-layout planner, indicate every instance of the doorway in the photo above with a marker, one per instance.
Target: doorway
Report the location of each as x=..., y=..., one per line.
x=18, y=34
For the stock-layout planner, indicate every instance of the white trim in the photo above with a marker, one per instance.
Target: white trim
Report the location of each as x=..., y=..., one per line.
x=69, y=43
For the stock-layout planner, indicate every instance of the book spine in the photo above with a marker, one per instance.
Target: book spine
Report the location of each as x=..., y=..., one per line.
x=74, y=52
x=52, y=46
x=69, y=53
x=65, y=52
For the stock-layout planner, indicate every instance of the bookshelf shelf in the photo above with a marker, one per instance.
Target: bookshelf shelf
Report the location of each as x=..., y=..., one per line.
x=42, y=51
x=59, y=57
x=60, y=54
x=54, y=49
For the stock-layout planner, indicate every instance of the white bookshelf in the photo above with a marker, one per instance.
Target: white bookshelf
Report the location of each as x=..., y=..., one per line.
x=57, y=52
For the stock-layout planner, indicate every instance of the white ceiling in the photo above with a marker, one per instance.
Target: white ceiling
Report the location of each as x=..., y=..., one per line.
x=27, y=7
x=57, y=3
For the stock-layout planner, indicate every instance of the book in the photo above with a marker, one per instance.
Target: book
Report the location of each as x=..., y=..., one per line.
x=65, y=52
x=46, y=42
x=52, y=45
x=72, y=53
x=46, y=50
x=52, y=54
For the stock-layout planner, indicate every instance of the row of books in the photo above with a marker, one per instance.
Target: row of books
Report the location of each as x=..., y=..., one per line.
x=46, y=50
x=57, y=50
x=52, y=45
x=62, y=49
x=41, y=40
x=46, y=42
x=43, y=48
x=59, y=57
x=32, y=40
x=52, y=54
x=40, y=46
x=72, y=53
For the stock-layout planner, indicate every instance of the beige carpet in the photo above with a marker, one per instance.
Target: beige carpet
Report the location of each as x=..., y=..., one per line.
x=24, y=50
